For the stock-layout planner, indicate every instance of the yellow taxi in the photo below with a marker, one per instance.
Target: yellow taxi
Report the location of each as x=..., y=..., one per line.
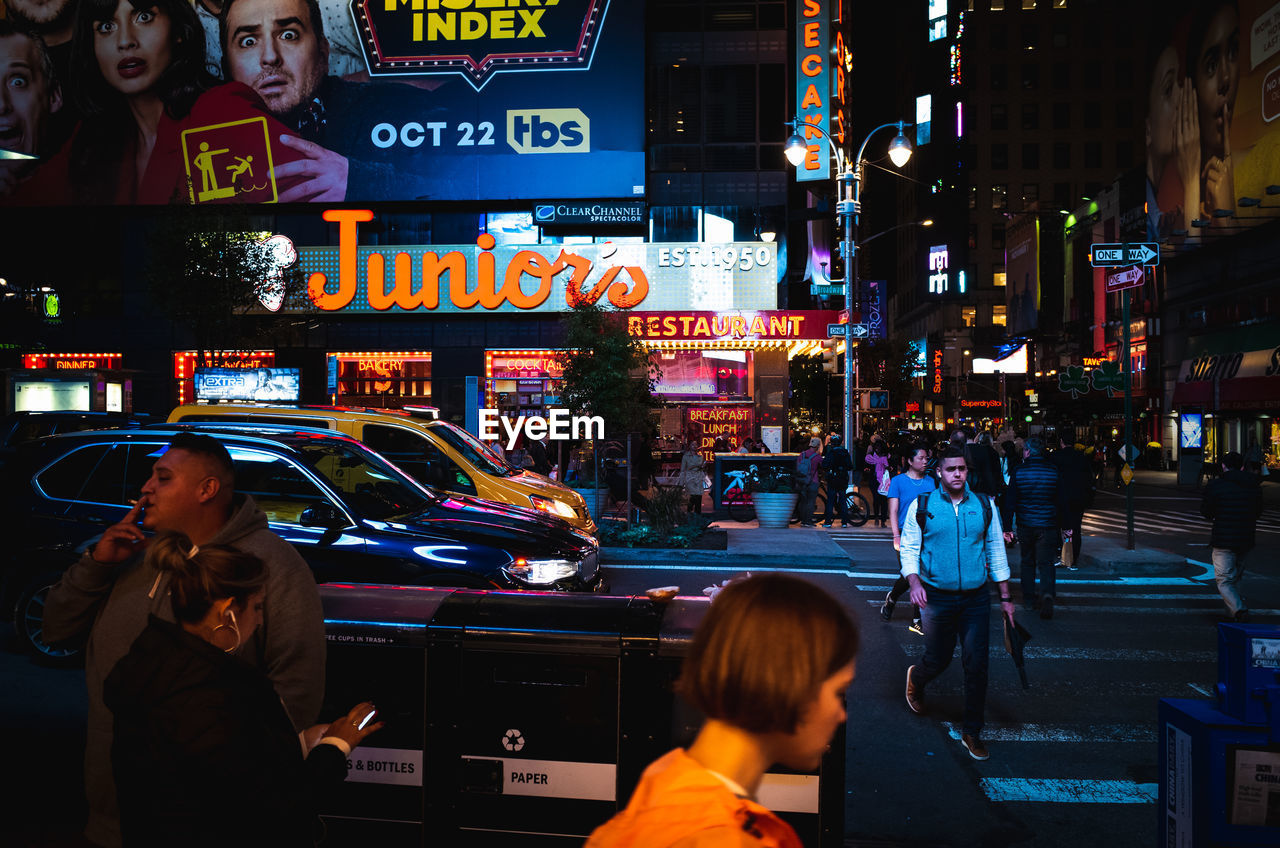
x=437, y=453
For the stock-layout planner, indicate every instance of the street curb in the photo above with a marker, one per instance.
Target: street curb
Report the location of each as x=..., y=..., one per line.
x=738, y=559
x=1134, y=563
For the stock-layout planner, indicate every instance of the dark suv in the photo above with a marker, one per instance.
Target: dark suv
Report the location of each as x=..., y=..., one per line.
x=351, y=514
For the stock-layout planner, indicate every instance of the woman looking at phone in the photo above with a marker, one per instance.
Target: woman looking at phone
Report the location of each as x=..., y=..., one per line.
x=203, y=746
x=768, y=667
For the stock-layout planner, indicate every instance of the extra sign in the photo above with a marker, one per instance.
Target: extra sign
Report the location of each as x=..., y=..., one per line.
x=1127, y=279
x=1110, y=255
x=853, y=331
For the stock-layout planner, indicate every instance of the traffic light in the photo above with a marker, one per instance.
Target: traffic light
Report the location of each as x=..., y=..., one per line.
x=830, y=360
x=879, y=400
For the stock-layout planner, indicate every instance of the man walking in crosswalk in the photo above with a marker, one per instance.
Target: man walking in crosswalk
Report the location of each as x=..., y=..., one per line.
x=1034, y=502
x=1234, y=502
x=948, y=562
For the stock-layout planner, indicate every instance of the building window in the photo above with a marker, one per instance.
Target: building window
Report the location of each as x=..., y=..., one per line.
x=1061, y=34
x=1091, y=75
x=1124, y=74
x=969, y=316
x=1092, y=115
x=1028, y=4
x=1030, y=194
x=1124, y=155
x=997, y=236
x=999, y=77
x=1093, y=154
x=973, y=236
x=1031, y=116
x=1031, y=77
x=997, y=5
x=999, y=36
x=1062, y=155
x=973, y=197
x=998, y=315
x=1124, y=114
x=1061, y=72
x=1062, y=116
x=1030, y=37
x=999, y=116
x=1031, y=155
x=1000, y=196
x=1062, y=195
x=999, y=278
x=999, y=157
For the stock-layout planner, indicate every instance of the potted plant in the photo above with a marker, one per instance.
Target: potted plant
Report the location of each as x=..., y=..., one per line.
x=775, y=496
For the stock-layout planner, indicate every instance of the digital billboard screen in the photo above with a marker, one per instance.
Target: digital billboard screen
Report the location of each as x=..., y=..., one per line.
x=1213, y=142
x=337, y=100
x=259, y=384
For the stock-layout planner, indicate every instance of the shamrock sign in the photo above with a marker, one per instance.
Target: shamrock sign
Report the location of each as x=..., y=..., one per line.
x=1107, y=377
x=1073, y=380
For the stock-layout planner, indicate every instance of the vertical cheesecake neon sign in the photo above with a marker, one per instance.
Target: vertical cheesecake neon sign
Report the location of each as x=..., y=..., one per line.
x=813, y=85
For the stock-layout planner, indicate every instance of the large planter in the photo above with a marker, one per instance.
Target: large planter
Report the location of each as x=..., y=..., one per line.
x=774, y=509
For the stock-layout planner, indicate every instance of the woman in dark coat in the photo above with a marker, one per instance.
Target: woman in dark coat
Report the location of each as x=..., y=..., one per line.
x=204, y=752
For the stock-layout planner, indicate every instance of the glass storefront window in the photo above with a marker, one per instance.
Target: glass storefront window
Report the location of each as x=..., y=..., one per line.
x=384, y=380
x=705, y=374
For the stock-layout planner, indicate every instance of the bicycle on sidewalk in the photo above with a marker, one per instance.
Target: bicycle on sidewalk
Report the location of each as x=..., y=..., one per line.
x=855, y=505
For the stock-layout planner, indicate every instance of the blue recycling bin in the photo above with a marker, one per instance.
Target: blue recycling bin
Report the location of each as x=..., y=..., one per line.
x=1219, y=779
x=1249, y=672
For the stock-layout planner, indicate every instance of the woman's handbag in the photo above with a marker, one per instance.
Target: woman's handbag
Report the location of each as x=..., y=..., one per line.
x=1067, y=552
x=884, y=483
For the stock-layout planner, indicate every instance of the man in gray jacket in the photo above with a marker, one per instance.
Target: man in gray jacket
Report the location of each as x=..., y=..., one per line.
x=109, y=593
x=948, y=563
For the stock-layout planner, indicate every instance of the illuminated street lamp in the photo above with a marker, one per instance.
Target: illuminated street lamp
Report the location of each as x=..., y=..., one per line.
x=849, y=207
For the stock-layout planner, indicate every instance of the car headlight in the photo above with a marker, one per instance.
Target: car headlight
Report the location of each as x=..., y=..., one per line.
x=552, y=506
x=541, y=572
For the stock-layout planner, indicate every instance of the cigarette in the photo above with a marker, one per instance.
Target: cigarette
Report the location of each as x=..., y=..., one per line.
x=133, y=501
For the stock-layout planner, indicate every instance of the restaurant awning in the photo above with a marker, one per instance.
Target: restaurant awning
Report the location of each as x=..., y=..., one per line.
x=1236, y=380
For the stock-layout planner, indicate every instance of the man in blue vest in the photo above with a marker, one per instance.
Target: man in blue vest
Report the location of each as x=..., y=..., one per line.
x=948, y=564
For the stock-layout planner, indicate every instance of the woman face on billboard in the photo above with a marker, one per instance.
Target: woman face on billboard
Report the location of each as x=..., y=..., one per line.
x=1215, y=72
x=133, y=47
x=1162, y=105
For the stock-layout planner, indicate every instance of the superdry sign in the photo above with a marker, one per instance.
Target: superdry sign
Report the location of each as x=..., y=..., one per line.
x=477, y=38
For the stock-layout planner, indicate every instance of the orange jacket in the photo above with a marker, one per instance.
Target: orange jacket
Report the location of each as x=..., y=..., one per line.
x=679, y=804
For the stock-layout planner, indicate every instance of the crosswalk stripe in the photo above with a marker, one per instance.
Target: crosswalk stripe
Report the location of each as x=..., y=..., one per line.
x=1055, y=791
x=1064, y=606
x=998, y=732
x=1032, y=652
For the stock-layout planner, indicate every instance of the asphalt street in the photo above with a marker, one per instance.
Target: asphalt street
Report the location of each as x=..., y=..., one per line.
x=1073, y=758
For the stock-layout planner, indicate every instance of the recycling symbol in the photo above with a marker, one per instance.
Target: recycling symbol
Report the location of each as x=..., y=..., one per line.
x=512, y=740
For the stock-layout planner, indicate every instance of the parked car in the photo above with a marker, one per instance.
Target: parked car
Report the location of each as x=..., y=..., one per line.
x=437, y=453
x=353, y=516
x=19, y=427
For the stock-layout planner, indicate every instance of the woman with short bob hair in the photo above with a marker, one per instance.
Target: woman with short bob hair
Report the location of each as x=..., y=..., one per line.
x=768, y=667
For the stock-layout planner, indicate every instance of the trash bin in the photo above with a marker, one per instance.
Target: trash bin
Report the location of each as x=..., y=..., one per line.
x=1249, y=672
x=520, y=718
x=1219, y=779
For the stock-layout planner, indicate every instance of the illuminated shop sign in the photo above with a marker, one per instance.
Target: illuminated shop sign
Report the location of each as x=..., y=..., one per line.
x=937, y=372
x=733, y=326
x=937, y=20
x=813, y=85
x=980, y=404
x=912, y=406
x=530, y=278
x=71, y=361
x=940, y=280
x=705, y=424
x=524, y=365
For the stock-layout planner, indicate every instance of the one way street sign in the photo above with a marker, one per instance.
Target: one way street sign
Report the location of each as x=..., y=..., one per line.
x=1126, y=279
x=1125, y=254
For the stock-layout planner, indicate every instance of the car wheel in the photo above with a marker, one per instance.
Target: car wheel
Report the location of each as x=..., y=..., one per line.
x=28, y=623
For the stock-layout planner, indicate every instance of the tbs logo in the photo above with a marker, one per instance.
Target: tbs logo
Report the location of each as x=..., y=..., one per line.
x=549, y=131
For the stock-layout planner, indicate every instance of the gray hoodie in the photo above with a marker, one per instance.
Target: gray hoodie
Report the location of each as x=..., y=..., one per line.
x=110, y=604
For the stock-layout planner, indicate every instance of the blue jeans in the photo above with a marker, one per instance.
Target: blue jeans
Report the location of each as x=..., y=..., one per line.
x=1040, y=548
x=806, y=506
x=966, y=616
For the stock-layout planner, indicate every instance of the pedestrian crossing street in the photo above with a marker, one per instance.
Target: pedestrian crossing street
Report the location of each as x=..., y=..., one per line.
x=1079, y=674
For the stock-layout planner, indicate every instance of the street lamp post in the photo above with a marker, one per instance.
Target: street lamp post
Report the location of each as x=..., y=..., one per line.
x=849, y=208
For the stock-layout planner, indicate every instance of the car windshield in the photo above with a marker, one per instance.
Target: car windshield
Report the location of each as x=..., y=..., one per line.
x=476, y=452
x=371, y=485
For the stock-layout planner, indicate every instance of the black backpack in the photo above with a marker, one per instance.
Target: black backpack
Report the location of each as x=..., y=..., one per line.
x=922, y=512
